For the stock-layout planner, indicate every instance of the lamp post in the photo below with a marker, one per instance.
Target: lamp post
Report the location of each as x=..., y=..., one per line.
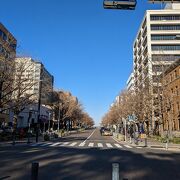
x=49, y=121
x=30, y=114
x=39, y=108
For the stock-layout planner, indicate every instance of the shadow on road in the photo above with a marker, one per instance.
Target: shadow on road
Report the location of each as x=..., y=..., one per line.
x=88, y=163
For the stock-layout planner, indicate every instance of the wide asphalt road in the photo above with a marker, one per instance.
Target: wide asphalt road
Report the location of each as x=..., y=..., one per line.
x=87, y=156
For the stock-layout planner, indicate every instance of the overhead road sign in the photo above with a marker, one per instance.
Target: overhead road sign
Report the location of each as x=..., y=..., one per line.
x=120, y=4
x=164, y=1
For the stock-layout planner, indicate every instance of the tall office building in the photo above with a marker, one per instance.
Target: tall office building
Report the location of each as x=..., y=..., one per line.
x=130, y=82
x=7, y=43
x=156, y=46
x=35, y=73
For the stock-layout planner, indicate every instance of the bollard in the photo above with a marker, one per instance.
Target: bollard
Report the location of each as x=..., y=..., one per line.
x=34, y=171
x=115, y=171
x=145, y=142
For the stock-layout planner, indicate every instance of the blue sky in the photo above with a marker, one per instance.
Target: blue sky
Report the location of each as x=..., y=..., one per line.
x=86, y=48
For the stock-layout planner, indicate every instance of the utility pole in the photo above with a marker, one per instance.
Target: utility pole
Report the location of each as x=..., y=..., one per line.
x=59, y=115
x=39, y=104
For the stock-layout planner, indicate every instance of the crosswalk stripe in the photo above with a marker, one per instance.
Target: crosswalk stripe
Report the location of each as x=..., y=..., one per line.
x=81, y=144
x=64, y=143
x=73, y=144
x=46, y=144
x=100, y=145
x=109, y=145
x=118, y=145
x=139, y=147
x=127, y=146
x=55, y=144
x=91, y=144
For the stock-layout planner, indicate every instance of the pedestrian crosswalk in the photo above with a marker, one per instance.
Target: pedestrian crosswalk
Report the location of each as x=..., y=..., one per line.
x=83, y=144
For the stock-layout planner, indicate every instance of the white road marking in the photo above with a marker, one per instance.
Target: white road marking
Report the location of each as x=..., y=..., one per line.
x=100, y=145
x=127, y=146
x=73, y=144
x=89, y=136
x=109, y=145
x=118, y=145
x=55, y=144
x=81, y=144
x=139, y=147
x=64, y=143
x=46, y=144
x=91, y=144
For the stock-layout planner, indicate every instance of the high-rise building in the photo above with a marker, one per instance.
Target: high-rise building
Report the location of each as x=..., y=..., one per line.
x=130, y=82
x=35, y=76
x=156, y=46
x=7, y=43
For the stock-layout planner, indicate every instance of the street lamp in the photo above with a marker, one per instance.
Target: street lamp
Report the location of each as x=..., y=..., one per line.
x=59, y=113
x=49, y=121
x=29, y=125
x=39, y=108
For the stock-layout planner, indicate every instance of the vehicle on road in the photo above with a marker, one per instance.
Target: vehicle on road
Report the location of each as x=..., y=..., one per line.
x=106, y=132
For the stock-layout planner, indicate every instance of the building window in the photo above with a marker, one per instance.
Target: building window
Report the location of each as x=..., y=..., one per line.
x=156, y=57
x=165, y=47
x=155, y=27
x=164, y=17
x=163, y=37
x=175, y=73
x=171, y=77
x=172, y=90
x=177, y=91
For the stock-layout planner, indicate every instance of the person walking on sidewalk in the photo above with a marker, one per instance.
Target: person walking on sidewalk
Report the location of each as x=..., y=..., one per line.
x=131, y=132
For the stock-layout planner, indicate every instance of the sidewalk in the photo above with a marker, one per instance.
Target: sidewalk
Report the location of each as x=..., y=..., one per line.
x=152, y=144
x=40, y=139
x=20, y=142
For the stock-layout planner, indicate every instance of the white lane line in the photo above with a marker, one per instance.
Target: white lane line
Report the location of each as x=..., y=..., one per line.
x=55, y=144
x=118, y=145
x=46, y=144
x=127, y=146
x=91, y=144
x=100, y=145
x=73, y=144
x=109, y=145
x=81, y=144
x=64, y=143
x=89, y=136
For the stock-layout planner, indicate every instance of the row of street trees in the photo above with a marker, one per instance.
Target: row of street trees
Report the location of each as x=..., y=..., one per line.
x=17, y=80
x=136, y=106
x=68, y=111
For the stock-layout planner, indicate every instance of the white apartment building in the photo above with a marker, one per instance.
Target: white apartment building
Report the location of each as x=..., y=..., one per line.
x=156, y=45
x=35, y=73
x=130, y=82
